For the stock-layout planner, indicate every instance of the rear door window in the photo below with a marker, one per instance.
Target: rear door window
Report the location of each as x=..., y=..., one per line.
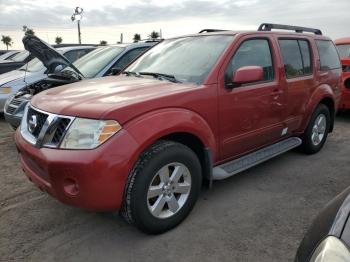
x=296, y=55
x=328, y=55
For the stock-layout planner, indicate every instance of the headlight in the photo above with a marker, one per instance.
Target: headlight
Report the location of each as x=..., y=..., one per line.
x=5, y=90
x=331, y=250
x=89, y=133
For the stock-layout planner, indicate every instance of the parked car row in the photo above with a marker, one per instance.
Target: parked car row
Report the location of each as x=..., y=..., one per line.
x=138, y=128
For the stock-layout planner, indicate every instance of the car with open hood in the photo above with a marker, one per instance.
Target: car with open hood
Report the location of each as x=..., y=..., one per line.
x=193, y=108
x=34, y=71
x=343, y=46
x=103, y=61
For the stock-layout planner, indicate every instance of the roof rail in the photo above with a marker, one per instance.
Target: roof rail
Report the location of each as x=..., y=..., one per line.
x=297, y=29
x=210, y=31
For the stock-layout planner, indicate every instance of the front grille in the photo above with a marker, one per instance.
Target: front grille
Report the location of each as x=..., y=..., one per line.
x=10, y=109
x=50, y=127
x=40, y=121
x=60, y=130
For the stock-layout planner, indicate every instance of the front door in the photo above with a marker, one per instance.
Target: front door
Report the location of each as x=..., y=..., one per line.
x=251, y=114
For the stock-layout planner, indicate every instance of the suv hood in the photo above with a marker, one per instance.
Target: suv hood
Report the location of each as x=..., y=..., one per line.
x=112, y=96
x=46, y=54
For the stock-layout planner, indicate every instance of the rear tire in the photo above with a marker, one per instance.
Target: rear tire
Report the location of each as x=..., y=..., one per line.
x=162, y=188
x=317, y=130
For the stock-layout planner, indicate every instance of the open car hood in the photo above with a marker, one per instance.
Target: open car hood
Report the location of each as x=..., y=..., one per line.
x=47, y=54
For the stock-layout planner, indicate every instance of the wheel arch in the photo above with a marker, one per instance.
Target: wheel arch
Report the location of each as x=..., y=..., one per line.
x=322, y=95
x=178, y=125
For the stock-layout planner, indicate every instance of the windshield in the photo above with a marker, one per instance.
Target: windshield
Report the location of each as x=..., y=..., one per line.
x=34, y=65
x=188, y=59
x=20, y=56
x=344, y=50
x=95, y=61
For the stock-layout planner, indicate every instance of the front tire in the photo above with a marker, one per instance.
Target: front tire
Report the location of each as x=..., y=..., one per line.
x=317, y=130
x=162, y=188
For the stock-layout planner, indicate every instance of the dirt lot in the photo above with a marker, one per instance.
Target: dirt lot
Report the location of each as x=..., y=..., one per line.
x=259, y=215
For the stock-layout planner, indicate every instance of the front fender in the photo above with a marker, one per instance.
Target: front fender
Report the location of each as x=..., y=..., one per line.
x=150, y=127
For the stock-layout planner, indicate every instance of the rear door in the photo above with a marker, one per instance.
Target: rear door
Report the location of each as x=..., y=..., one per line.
x=298, y=78
x=251, y=114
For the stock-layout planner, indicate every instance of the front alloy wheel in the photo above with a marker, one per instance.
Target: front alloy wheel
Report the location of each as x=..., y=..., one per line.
x=169, y=190
x=162, y=188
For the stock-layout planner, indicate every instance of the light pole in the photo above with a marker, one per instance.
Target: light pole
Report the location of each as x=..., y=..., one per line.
x=78, y=15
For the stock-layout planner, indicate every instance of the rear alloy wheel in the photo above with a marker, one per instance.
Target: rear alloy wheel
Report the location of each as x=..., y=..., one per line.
x=162, y=188
x=317, y=131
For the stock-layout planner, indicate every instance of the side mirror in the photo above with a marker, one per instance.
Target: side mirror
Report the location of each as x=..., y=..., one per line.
x=247, y=74
x=115, y=71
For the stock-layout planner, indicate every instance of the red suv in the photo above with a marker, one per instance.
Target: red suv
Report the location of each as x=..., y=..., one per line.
x=195, y=108
x=343, y=46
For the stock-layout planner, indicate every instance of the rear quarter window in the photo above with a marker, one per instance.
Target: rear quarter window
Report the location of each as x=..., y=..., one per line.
x=329, y=56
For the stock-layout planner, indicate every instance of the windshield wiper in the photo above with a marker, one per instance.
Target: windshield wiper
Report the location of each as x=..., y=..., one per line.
x=170, y=78
x=130, y=73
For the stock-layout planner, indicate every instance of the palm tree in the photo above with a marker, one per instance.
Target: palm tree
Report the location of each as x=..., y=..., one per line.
x=7, y=40
x=137, y=37
x=28, y=31
x=103, y=42
x=58, y=40
x=154, y=35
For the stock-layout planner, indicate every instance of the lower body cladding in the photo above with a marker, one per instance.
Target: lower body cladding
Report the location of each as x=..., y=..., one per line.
x=90, y=179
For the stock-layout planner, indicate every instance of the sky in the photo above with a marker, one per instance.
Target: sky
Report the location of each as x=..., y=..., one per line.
x=107, y=19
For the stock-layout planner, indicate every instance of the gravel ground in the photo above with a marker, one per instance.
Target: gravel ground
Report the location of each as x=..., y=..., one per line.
x=258, y=215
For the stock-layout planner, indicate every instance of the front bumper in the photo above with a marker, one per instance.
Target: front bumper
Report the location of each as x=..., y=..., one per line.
x=90, y=179
x=3, y=99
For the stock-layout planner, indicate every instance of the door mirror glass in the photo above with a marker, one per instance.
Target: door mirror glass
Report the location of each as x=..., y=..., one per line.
x=248, y=74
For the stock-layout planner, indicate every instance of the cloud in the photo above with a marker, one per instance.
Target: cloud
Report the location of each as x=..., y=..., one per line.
x=325, y=14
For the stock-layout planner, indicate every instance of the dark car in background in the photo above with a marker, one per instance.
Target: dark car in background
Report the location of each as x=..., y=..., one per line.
x=103, y=61
x=16, y=61
x=328, y=238
x=8, y=55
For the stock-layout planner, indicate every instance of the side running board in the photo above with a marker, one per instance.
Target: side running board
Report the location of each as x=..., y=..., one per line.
x=238, y=165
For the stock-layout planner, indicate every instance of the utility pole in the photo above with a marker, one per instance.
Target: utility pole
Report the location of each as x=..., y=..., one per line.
x=77, y=16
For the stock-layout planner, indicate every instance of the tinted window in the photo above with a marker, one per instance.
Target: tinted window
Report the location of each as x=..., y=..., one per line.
x=328, y=55
x=97, y=60
x=344, y=50
x=292, y=59
x=21, y=56
x=305, y=52
x=76, y=54
x=128, y=57
x=252, y=53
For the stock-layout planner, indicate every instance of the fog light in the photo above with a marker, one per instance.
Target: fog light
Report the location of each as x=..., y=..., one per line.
x=70, y=187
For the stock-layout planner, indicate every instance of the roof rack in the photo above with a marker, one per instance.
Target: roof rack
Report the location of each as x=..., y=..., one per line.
x=297, y=29
x=210, y=31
